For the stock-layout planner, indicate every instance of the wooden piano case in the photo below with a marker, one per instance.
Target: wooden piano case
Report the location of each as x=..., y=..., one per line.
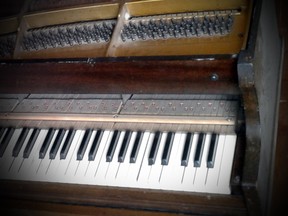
x=191, y=73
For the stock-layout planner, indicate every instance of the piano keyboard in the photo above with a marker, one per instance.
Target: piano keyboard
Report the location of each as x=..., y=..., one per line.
x=165, y=160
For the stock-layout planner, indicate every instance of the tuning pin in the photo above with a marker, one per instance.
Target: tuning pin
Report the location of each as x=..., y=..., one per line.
x=63, y=37
x=123, y=36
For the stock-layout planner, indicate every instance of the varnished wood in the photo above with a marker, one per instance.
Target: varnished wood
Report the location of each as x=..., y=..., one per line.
x=153, y=200
x=231, y=43
x=8, y=25
x=132, y=75
x=36, y=208
x=84, y=13
x=127, y=76
x=71, y=15
x=45, y=5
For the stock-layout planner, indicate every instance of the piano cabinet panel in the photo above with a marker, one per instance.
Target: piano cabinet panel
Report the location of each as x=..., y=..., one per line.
x=34, y=208
x=121, y=76
x=113, y=200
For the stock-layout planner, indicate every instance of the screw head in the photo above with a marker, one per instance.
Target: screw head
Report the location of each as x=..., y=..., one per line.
x=214, y=77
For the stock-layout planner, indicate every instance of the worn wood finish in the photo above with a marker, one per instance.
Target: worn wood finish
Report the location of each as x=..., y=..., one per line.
x=36, y=208
x=127, y=76
x=8, y=25
x=231, y=43
x=71, y=15
x=61, y=16
x=54, y=13
x=153, y=200
x=43, y=5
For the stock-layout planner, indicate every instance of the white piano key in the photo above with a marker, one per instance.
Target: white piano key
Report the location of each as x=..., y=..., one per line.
x=9, y=150
x=213, y=173
x=31, y=164
x=226, y=164
x=124, y=174
x=145, y=168
x=18, y=161
x=171, y=176
x=7, y=159
x=94, y=165
x=73, y=164
x=46, y=144
x=112, y=145
x=56, y=144
x=102, y=166
x=5, y=140
x=135, y=168
x=156, y=168
x=190, y=171
x=65, y=171
x=84, y=163
x=121, y=175
x=56, y=162
x=114, y=164
x=41, y=173
x=20, y=141
x=201, y=172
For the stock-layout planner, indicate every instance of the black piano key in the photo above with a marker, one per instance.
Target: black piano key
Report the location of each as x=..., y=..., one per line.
x=57, y=143
x=154, y=148
x=67, y=144
x=20, y=142
x=6, y=140
x=95, y=145
x=124, y=146
x=212, y=150
x=199, y=150
x=112, y=146
x=2, y=130
x=31, y=142
x=84, y=143
x=136, y=147
x=46, y=143
x=187, y=149
x=167, y=148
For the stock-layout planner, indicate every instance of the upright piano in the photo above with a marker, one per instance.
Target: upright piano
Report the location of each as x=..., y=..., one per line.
x=135, y=107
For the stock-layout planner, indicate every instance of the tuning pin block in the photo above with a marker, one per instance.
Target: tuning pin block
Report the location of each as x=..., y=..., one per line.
x=177, y=26
x=68, y=35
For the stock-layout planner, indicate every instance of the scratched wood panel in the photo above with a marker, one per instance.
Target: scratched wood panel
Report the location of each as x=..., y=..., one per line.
x=138, y=76
x=161, y=201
